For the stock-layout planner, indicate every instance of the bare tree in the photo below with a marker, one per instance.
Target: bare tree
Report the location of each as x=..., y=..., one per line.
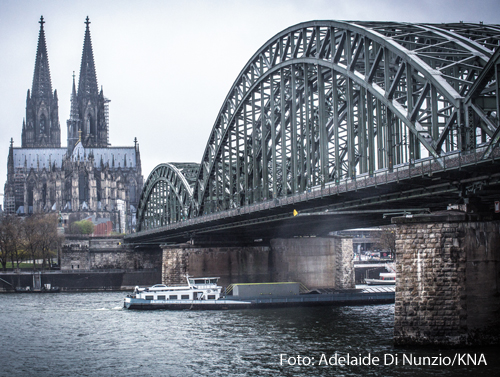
x=387, y=240
x=34, y=236
x=49, y=239
x=4, y=253
x=40, y=237
x=16, y=251
x=10, y=240
x=31, y=237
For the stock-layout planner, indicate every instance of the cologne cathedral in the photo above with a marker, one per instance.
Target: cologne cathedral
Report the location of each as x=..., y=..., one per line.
x=88, y=178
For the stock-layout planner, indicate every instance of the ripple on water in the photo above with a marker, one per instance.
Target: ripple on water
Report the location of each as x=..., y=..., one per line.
x=90, y=334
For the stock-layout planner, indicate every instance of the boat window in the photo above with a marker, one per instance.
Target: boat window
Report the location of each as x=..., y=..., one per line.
x=172, y=297
x=211, y=297
x=161, y=297
x=149, y=297
x=184, y=297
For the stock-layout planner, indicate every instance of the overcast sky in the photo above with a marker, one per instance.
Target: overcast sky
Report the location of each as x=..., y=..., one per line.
x=167, y=66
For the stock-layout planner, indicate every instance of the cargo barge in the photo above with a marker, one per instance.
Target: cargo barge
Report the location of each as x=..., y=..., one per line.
x=206, y=294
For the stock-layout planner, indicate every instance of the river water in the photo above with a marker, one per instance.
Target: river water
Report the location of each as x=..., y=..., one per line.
x=90, y=334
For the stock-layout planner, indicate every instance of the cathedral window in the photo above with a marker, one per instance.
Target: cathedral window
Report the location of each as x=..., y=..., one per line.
x=98, y=186
x=132, y=192
x=52, y=196
x=30, y=195
x=42, y=124
x=44, y=195
x=83, y=187
x=67, y=190
x=88, y=124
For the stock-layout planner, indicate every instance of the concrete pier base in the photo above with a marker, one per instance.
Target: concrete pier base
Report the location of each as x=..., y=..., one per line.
x=314, y=262
x=174, y=265
x=447, y=288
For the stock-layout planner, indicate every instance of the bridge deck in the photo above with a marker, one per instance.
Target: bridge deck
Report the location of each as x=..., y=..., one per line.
x=365, y=200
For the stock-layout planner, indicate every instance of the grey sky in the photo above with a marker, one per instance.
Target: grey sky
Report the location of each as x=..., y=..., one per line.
x=168, y=65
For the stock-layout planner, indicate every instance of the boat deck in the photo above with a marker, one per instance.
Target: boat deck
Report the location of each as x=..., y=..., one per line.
x=368, y=295
x=357, y=296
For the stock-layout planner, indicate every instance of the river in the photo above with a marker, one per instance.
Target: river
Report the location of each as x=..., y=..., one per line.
x=90, y=334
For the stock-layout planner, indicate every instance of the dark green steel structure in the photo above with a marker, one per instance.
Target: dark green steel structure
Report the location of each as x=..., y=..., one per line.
x=327, y=103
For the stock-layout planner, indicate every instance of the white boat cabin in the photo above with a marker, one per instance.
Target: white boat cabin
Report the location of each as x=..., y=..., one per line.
x=197, y=289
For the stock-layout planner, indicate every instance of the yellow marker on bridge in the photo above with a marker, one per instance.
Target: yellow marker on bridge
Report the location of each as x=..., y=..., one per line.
x=295, y=213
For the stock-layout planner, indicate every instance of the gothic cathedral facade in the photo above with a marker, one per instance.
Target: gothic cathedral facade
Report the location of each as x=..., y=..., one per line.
x=88, y=178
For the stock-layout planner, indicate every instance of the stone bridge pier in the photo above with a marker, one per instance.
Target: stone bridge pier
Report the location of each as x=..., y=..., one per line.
x=448, y=276
x=315, y=262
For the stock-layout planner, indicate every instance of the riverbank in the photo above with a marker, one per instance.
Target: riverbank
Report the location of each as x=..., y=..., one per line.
x=80, y=281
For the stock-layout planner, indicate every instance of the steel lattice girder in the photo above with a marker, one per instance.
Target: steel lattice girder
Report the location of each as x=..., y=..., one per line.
x=166, y=196
x=327, y=100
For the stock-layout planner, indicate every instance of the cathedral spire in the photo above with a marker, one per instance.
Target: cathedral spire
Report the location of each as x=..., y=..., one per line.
x=42, y=113
x=74, y=102
x=42, y=86
x=10, y=159
x=91, y=105
x=87, y=85
x=73, y=121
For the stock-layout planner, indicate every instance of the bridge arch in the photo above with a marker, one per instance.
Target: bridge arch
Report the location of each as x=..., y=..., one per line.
x=327, y=100
x=166, y=196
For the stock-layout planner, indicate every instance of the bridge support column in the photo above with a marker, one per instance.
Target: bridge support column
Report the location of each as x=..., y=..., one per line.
x=315, y=262
x=447, y=289
x=233, y=264
x=174, y=264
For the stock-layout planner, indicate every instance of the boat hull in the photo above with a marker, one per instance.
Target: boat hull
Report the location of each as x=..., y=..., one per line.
x=24, y=290
x=142, y=304
x=380, y=282
x=382, y=295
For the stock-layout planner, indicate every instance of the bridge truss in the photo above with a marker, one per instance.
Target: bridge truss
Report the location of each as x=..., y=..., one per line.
x=166, y=195
x=328, y=101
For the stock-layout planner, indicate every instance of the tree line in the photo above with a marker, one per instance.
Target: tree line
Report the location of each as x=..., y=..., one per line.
x=28, y=238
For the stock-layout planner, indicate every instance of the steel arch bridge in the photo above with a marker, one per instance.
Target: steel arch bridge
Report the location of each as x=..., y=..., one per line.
x=166, y=195
x=326, y=101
